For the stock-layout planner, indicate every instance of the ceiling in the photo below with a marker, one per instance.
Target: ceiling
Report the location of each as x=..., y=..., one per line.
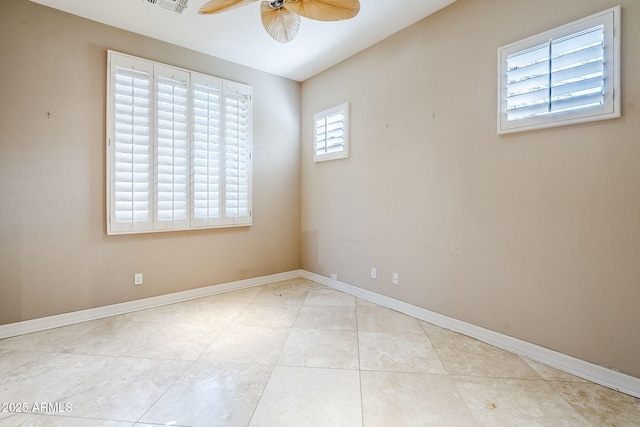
x=237, y=35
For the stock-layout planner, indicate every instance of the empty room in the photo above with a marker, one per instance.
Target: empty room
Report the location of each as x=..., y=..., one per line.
x=320, y=213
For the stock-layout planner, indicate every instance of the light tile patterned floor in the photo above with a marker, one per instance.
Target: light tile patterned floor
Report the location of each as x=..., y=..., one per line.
x=291, y=353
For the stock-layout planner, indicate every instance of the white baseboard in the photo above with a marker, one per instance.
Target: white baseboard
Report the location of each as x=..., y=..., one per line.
x=50, y=322
x=589, y=371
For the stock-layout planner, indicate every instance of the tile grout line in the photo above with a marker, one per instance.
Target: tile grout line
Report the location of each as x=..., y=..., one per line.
x=193, y=362
x=165, y=392
x=275, y=364
x=359, y=364
x=579, y=413
x=448, y=374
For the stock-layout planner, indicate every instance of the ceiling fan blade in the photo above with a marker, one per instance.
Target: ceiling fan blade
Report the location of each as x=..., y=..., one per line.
x=217, y=6
x=324, y=10
x=281, y=24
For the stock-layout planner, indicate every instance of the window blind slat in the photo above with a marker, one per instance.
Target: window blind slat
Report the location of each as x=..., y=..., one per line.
x=529, y=72
x=577, y=102
x=528, y=85
x=578, y=41
x=577, y=74
x=528, y=57
x=585, y=56
x=528, y=99
x=530, y=111
x=570, y=90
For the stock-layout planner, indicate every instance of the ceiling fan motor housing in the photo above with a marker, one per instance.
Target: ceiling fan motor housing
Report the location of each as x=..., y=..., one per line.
x=276, y=4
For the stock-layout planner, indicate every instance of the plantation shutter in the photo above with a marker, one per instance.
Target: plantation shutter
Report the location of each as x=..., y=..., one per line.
x=178, y=148
x=577, y=70
x=561, y=75
x=330, y=133
x=130, y=181
x=528, y=83
x=172, y=154
x=207, y=151
x=237, y=154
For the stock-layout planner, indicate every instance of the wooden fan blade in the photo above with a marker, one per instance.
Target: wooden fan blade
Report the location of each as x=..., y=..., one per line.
x=325, y=10
x=217, y=6
x=281, y=24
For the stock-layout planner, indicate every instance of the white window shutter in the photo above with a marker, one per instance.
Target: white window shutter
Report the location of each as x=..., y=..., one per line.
x=179, y=148
x=172, y=153
x=331, y=133
x=207, y=151
x=528, y=82
x=130, y=138
x=567, y=75
x=561, y=75
x=577, y=70
x=237, y=154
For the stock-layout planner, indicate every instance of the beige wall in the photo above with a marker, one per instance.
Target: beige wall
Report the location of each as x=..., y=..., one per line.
x=535, y=235
x=54, y=254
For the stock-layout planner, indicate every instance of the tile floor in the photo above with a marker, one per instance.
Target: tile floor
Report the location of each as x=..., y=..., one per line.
x=291, y=353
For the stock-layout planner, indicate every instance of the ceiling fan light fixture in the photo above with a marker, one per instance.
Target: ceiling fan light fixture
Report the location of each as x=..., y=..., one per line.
x=281, y=18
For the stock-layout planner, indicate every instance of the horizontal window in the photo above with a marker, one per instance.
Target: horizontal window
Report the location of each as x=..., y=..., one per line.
x=563, y=76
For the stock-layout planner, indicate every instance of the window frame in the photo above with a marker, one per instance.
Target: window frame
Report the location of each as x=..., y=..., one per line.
x=226, y=177
x=342, y=154
x=611, y=107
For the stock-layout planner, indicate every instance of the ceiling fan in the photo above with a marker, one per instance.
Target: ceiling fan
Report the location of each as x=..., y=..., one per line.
x=281, y=18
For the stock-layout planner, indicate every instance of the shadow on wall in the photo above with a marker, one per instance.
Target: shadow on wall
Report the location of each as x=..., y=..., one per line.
x=310, y=260
x=10, y=276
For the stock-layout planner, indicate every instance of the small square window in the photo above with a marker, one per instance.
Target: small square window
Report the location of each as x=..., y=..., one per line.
x=331, y=134
x=567, y=75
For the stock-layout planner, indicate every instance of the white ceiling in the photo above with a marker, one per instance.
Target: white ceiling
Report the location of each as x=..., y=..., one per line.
x=238, y=36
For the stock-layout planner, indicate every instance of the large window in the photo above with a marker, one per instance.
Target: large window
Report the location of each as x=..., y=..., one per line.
x=567, y=75
x=178, y=148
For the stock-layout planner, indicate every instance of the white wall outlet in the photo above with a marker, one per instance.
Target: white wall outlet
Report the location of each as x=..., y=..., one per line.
x=374, y=273
x=394, y=279
x=137, y=279
x=334, y=277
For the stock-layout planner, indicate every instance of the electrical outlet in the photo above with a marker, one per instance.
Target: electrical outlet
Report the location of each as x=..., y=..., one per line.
x=374, y=273
x=334, y=277
x=137, y=279
x=394, y=279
